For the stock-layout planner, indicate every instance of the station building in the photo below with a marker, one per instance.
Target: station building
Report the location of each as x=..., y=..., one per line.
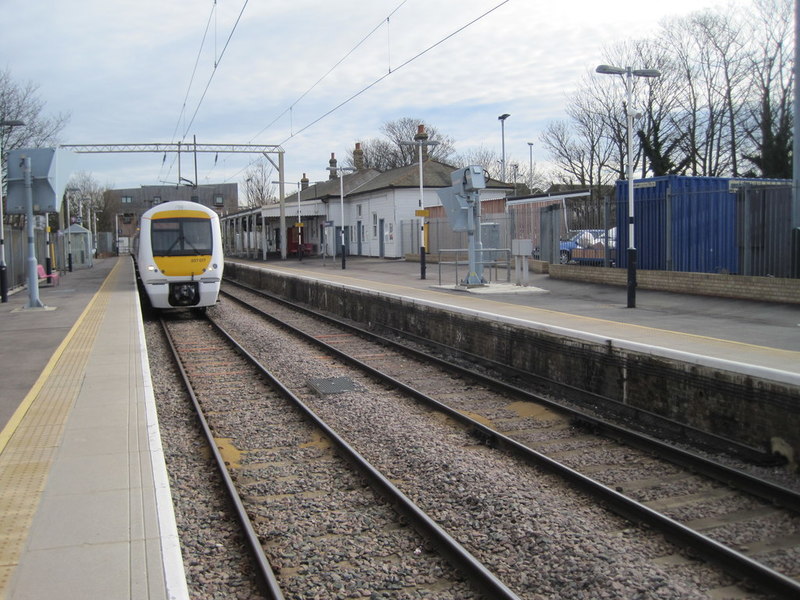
x=372, y=206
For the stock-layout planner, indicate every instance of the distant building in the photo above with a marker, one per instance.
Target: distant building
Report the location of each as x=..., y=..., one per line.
x=124, y=207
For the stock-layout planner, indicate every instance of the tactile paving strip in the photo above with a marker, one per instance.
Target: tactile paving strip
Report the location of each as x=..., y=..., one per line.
x=27, y=455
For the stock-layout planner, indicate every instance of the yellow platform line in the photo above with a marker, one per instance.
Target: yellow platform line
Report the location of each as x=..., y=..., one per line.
x=532, y=310
x=29, y=440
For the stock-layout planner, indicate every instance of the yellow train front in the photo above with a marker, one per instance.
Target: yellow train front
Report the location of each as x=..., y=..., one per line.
x=179, y=255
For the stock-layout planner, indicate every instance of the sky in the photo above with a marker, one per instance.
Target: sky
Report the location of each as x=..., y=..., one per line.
x=294, y=73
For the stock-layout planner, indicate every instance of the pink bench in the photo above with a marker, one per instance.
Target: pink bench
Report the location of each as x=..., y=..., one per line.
x=53, y=278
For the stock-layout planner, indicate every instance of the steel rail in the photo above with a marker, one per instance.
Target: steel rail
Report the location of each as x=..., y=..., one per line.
x=267, y=575
x=729, y=559
x=763, y=489
x=450, y=548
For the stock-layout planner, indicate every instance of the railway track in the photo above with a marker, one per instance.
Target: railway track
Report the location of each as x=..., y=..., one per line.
x=314, y=527
x=748, y=526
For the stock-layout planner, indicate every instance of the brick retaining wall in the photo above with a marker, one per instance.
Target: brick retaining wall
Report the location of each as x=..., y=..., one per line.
x=765, y=289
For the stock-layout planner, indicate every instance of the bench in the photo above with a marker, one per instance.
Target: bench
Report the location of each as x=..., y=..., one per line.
x=52, y=279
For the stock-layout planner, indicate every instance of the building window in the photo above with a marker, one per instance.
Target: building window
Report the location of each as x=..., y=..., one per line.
x=374, y=225
x=156, y=200
x=126, y=199
x=358, y=210
x=196, y=199
x=218, y=200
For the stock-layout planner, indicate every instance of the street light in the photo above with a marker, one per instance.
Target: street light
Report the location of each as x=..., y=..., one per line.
x=629, y=74
x=530, y=168
x=341, y=171
x=3, y=274
x=420, y=143
x=68, y=247
x=502, y=118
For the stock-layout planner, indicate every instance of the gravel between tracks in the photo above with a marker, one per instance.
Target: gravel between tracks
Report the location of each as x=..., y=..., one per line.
x=504, y=512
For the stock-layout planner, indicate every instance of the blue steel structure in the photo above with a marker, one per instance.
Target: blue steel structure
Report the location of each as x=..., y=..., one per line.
x=690, y=224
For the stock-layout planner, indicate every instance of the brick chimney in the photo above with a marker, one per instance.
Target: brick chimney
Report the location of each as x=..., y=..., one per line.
x=358, y=157
x=422, y=136
x=332, y=164
x=304, y=182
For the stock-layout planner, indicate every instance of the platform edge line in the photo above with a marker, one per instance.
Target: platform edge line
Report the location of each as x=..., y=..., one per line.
x=13, y=423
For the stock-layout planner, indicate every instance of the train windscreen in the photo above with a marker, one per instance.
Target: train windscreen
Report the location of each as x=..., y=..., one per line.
x=181, y=237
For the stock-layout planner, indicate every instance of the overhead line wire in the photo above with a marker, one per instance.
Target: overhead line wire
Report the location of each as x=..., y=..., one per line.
x=377, y=81
x=339, y=62
x=217, y=62
x=191, y=79
x=407, y=62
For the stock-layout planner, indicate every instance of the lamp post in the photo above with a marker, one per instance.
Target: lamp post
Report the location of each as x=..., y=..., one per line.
x=3, y=273
x=629, y=74
x=69, y=224
x=502, y=118
x=530, y=168
x=33, y=277
x=341, y=171
x=420, y=143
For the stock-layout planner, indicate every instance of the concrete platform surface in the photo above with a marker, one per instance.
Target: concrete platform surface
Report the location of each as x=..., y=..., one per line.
x=745, y=333
x=85, y=506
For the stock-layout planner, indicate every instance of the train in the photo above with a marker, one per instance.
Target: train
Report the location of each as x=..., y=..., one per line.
x=178, y=255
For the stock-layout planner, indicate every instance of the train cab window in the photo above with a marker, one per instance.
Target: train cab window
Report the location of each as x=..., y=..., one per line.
x=181, y=237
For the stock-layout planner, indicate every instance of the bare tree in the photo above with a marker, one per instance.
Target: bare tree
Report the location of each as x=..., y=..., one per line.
x=258, y=187
x=89, y=199
x=481, y=155
x=724, y=95
x=387, y=153
x=20, y=102
x=772, y=83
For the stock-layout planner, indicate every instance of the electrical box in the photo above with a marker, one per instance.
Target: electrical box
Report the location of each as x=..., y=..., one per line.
x=50, y=170
x=522, y=247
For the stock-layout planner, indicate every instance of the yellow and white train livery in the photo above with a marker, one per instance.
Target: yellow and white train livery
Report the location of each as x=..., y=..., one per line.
x=179, y=255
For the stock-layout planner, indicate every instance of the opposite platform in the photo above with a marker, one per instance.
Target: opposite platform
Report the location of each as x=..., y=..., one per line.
x=85, y=507
x=746, y=335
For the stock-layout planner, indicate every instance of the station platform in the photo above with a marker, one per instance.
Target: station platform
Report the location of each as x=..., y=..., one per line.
x=85, y=505
x=744, y=336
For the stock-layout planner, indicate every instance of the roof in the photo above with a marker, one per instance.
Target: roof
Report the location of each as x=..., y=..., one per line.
x=434, y=175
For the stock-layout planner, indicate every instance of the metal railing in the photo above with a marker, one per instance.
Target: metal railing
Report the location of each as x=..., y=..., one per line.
x=493, y=258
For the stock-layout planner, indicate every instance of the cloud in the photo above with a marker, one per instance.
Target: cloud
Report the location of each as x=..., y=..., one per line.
x=123, y=70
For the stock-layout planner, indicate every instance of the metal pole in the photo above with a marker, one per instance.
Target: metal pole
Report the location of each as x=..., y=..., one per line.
x=503, y=144
x=341, y=199
x=795, y=231
x=340, y=171
x=530, y=167
x=48, y=264
x=69, y=238
x=282, y=199
x=33, y=276
x=299, y=224
x=421, y=220
x=631, y=243
x=3, y=270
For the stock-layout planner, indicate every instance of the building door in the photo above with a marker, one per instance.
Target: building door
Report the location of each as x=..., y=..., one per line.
x=358, y=238
x=381, y=247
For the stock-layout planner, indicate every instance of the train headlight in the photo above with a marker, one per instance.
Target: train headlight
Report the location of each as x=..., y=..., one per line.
x=152, y=268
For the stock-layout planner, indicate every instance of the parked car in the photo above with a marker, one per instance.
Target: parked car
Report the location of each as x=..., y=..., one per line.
x=589, y=246
x=580, y=239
